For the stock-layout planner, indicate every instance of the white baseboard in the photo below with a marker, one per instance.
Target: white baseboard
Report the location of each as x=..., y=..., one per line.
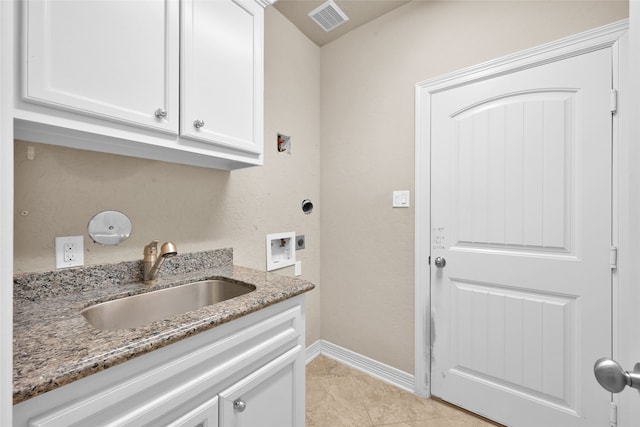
x=362, y=363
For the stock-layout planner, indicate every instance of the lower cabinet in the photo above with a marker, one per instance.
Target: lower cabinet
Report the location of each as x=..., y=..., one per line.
x=247, y=373
x=264, y=398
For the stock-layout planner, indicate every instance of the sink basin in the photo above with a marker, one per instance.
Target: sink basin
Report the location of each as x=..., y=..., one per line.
x=138, y=310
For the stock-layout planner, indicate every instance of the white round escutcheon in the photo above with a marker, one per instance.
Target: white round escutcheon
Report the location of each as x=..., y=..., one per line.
x=109, y=228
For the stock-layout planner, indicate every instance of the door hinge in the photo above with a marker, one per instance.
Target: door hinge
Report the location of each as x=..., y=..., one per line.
x=429, y=260
x=613, y=257
x=614, y=101
x=613, y=414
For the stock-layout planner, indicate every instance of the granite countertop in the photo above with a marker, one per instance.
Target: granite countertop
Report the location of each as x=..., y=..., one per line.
x=54, y=345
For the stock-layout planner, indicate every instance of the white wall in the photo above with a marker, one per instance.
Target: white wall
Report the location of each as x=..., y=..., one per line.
x=367, y=137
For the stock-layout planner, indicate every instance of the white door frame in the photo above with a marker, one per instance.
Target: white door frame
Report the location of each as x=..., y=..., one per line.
x=626, y=343
x=603, y=37
x=7, y=19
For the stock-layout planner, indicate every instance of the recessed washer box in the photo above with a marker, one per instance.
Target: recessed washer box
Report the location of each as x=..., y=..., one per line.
x=281, y=250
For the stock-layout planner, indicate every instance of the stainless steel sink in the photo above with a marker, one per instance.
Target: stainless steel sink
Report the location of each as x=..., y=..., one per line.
x=138, y=310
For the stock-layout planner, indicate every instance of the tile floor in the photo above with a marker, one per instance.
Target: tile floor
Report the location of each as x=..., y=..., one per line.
x=338, y=395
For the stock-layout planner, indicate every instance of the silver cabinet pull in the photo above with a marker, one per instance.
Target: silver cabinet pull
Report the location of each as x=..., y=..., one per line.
x=239, y=405
x=440, y=262
x=161, y=113
x=198, y=124
x=612, y=377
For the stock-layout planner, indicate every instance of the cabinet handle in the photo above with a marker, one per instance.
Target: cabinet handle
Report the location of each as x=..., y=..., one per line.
x=198, y=124
x=239, y=405
x=161, y=113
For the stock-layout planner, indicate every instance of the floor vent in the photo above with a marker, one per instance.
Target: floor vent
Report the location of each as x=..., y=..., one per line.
x=328, y=15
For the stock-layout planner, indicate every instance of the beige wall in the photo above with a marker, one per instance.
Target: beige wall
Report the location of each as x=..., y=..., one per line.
x=367, y=137
x=355, y=95
x=198, y=208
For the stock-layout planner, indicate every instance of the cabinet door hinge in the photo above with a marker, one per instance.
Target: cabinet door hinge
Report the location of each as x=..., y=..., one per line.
x=613, y=257
x=614, y=101
x=429, y=261
x=613, y=414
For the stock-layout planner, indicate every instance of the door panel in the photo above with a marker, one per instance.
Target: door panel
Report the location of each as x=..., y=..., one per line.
x=521, y=211
x=519, y=340
x=499, y=199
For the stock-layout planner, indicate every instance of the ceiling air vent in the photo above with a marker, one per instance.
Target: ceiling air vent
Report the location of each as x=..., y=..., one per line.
x=328, y=15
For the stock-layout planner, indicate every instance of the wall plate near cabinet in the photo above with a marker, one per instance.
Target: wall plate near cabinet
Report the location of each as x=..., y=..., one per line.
x=281, y=250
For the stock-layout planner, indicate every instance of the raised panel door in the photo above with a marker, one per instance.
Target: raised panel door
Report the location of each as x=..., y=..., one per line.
x=521, y=212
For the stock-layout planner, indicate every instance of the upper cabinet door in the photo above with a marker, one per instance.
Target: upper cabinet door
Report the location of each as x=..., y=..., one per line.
x=116, y=60
x=222, y=73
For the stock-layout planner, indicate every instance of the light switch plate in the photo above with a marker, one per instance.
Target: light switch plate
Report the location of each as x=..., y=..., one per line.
x=401, y=199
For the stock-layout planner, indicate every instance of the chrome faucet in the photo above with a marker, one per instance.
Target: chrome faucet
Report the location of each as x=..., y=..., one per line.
x=153, y=262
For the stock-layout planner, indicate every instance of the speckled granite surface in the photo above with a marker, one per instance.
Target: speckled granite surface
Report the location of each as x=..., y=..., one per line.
x=54, y=345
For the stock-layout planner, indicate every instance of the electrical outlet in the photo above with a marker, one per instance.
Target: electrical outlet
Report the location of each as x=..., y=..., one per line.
x=299, y=242
x=69, y=251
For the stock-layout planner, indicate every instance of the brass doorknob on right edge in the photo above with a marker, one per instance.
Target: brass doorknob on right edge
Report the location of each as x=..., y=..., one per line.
x=440, y=262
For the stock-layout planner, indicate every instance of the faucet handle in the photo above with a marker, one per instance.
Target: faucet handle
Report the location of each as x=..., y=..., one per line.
x=151, y=248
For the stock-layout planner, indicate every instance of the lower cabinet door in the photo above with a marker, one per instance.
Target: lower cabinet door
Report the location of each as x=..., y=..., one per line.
x=269, y=397
x=205, y=415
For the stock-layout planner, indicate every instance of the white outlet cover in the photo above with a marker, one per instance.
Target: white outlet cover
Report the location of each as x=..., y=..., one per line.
x=74, y=246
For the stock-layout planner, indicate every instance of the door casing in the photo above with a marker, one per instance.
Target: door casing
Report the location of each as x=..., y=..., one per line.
x=614, y=36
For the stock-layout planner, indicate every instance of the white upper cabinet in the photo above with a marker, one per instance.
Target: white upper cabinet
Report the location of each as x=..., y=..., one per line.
x=173, y=80
x=116, y=60
x=221, y=74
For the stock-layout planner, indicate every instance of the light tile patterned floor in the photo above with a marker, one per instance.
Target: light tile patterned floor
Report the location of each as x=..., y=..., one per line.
x=341, y=396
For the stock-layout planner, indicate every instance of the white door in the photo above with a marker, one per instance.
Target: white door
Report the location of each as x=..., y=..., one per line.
x=521, y=214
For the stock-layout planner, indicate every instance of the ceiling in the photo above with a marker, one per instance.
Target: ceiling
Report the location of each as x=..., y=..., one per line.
x=359, y=12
